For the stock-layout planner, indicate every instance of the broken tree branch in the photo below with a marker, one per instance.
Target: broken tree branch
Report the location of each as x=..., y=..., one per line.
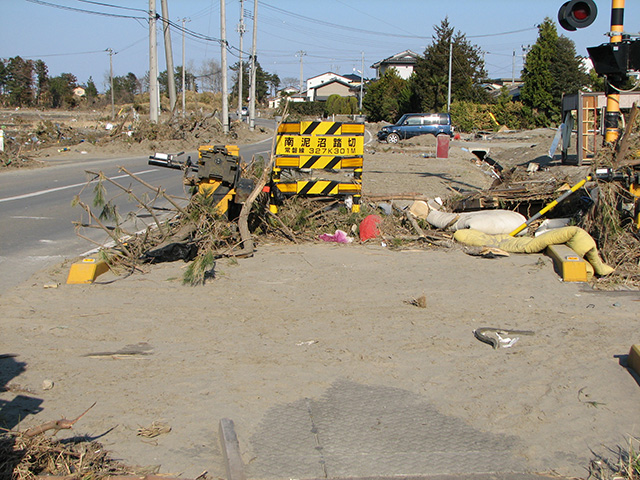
x=113, y=236
x=623, y=147
x=62, y=424
x=102, y=176
x=243, y=219
x=158, y=190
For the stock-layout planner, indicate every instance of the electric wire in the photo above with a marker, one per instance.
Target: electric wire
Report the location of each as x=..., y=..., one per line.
x=93, y=12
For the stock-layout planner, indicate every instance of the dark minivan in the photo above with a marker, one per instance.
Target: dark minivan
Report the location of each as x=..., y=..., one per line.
x=413, y=124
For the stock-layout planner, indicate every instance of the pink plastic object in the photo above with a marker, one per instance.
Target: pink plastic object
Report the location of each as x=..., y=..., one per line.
x=338, y=237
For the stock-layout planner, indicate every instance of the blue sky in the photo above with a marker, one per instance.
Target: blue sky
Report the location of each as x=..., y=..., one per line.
x=332, y=33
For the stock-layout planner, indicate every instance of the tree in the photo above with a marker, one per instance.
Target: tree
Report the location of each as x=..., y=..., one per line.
x=3, y=77
x=19, y=82
x=429, y=83
x=210, y=76
x=384, y=98
x=43, y=96
x=125, y=88
x=551, y=69
x=264, y=80
x=61, y=90
x=189, y=79
x=91, y=91
x=290, y=82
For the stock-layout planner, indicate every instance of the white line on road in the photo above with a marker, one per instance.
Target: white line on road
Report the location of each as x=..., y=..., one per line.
x=22, y=217
x=57, y=189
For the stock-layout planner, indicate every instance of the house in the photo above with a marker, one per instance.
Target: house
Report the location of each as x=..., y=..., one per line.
x=494, y=87
x=403, y=62
x=335, y=86
x=291, y=93
x=323, y=79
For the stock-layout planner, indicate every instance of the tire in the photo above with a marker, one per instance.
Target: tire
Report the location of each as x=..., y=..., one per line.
x=393, y=138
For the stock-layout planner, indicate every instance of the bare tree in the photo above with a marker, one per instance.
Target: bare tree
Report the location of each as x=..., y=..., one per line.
x=210, y=76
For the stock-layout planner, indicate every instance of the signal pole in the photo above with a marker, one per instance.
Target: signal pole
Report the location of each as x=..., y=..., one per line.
x=153, y=64
x=612, y=115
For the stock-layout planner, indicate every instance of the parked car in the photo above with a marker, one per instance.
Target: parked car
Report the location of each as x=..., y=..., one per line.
x=413, y=124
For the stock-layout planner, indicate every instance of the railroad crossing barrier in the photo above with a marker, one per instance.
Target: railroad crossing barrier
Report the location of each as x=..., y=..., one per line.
x=327, y=146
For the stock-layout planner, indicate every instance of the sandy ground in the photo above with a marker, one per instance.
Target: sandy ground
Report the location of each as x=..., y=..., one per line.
x=294, y=321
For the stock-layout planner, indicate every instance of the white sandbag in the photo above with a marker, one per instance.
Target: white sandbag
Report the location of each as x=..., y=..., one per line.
x=491, y=222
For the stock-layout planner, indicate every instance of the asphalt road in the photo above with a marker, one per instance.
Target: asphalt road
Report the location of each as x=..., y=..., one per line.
x=36, y=212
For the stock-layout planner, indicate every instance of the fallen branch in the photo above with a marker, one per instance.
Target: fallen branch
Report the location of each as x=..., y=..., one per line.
x=286, y=230
x=243, y=219
x=414, y=223
x=62, y=424
x=130, y=192
x=105, y=228
x=158, y=190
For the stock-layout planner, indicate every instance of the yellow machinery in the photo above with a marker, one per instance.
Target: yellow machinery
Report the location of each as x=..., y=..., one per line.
x=217, y=173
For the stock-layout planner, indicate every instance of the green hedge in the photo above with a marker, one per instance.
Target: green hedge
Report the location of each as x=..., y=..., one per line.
x=469, y=117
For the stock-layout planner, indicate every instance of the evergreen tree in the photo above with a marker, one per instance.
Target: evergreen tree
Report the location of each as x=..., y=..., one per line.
x=43, y=96
x=91, y=91
x=264, y=80
x=61, y=90
x=551, y=69
x=429, y=83
x=383, y=98
x=19, y=82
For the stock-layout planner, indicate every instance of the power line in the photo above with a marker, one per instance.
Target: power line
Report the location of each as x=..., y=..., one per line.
x=112, y=6
x=93, y=12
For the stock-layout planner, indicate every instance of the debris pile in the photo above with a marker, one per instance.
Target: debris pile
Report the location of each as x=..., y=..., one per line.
x=25, y=458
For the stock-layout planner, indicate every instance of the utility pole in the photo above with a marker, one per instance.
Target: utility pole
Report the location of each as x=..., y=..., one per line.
x=513, y=69
x=223, y=46
x=153, y=64
x=449, y=85
x=301, y=54
x=241, y=30
x=168, y=51
x=113, y=108
x=184, y=89
x=361, y=83
x=252, y=105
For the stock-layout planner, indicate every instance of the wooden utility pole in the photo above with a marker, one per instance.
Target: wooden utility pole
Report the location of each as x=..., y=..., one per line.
x=223, y=66
x=153, y=64
x=252, y=105
x=168, y=51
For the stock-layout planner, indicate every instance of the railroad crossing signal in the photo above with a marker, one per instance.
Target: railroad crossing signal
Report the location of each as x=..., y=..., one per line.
x=576, y=14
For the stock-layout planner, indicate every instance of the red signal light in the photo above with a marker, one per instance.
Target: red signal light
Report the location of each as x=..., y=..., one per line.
x=576, y=14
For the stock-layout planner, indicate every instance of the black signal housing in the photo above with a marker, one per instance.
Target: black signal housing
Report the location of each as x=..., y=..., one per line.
x=576, y=14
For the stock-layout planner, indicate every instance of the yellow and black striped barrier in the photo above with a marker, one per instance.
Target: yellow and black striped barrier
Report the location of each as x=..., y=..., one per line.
x=318, y=145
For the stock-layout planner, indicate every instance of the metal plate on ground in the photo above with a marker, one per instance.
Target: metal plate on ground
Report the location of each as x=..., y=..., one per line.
x=358, y=430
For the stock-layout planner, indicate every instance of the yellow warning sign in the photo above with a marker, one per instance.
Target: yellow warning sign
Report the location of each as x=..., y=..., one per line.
x=316, y=145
